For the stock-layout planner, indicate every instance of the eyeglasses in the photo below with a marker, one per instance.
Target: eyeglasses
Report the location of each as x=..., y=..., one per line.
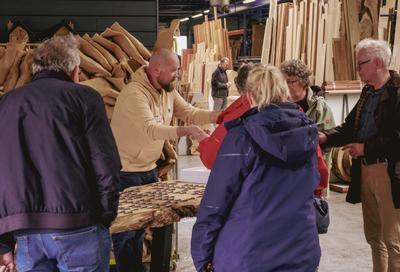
x=292, y=81
x=360, y=64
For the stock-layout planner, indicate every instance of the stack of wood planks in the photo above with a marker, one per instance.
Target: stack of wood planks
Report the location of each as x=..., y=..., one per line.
x=321, y=33
x=303, y=30
x=388, y=24
x=108, y=61
x=211, y=44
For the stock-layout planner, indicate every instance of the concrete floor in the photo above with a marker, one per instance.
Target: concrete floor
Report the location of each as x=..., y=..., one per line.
x=343, y=248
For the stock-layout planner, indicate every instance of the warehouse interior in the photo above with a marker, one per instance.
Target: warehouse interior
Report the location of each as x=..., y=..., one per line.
x=118, y=37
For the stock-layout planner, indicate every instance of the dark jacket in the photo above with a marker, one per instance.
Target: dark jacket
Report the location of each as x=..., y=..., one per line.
x=219, y=83
x=386, y=144
x=257, y=212
x=59, y=164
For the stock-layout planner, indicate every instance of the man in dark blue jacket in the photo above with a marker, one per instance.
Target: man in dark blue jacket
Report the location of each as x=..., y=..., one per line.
x=59, y=168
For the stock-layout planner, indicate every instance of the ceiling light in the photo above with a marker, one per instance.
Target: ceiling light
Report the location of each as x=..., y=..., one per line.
x=184, y=19
x=206, y=11
x=197, y=15
x=248, y=1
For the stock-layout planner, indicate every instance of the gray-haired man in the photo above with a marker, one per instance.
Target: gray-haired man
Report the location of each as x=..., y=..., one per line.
x=59, y=168
x=371, y=135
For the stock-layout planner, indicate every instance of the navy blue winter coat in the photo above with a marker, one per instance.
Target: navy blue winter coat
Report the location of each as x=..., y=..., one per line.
x=257, y=212
x=59, y=164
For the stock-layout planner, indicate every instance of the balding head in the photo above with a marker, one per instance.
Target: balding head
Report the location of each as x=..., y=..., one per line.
x=162, y=69
x=163, y=56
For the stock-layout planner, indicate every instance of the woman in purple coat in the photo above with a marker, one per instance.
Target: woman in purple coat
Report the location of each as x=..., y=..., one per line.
x=257, y=213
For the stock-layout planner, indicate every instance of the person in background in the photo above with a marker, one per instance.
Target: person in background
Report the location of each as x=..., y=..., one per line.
x=209, y=147
x=371, y=135
x=257, y=212
x=220, y=85
x=59, y=168
x=141, y=124
x=297, y=76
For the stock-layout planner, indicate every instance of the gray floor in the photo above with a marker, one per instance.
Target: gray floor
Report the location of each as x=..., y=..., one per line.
x=343, y=248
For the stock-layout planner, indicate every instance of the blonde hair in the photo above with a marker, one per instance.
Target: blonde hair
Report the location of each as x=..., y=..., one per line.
x=266, y=85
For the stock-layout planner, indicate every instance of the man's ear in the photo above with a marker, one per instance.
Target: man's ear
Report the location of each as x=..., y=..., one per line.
x=157, y=69
x=379, y=63
x=75, y=74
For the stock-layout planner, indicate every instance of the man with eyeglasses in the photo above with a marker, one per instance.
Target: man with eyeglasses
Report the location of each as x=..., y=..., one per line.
x=371, y=135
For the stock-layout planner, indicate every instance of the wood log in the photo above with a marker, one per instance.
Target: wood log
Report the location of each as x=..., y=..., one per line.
x=144, y=52
x=127, y=46
x=91, y=66
x=25, y=70
x=91, y=51
x=109, y=57
x=110, y=46
x=14, y=71
x=13, y=50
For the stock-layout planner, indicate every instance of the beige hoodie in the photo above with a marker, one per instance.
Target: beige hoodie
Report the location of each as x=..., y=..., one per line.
x=141, y=121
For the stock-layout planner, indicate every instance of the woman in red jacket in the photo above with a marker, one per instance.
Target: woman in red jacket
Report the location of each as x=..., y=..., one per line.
x=209, y=147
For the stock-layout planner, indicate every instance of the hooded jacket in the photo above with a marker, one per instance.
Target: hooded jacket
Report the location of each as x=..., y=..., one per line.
x=257, y=212
x=142, y=118
x=59, y=165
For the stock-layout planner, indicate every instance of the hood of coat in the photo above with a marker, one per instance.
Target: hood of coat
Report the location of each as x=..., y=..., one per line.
x=282, y=131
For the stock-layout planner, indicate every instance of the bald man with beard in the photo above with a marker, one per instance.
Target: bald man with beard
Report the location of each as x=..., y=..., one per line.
x=141, y=124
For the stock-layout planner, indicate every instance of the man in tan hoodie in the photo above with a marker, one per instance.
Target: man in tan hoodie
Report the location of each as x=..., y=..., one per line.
x=141, y=124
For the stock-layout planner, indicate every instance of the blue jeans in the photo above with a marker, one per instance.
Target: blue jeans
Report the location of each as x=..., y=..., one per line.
x=83, y=249
x=128, y=245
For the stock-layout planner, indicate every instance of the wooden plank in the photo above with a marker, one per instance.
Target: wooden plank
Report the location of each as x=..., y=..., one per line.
x=383, y=24
x=305, y=32
x=340, y=59
x=289, y=36
x=395, y=64
x=339, y=187
x=315, y=36
x=266, y=48
x=333, y=20
x=294, y=28
x=354, y=30
x=321, y=50
x=280, y=35
x=257, y=37
x=273, y=13
x=311, y=22
x=297, y=46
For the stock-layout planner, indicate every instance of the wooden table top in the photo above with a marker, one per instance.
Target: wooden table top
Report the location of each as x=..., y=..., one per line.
x=157, y=205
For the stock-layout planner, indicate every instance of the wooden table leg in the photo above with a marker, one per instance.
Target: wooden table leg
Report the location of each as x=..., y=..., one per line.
x=161, y=249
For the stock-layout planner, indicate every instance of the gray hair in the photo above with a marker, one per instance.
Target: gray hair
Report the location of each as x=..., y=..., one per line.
x=377, y=49
x=267, y=85
x=296, y=67
x=60, y=53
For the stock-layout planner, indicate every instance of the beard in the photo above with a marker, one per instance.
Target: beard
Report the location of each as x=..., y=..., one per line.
x=169, y=87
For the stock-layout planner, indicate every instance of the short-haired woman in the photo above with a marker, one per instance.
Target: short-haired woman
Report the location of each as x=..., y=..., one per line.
x=297, y=76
